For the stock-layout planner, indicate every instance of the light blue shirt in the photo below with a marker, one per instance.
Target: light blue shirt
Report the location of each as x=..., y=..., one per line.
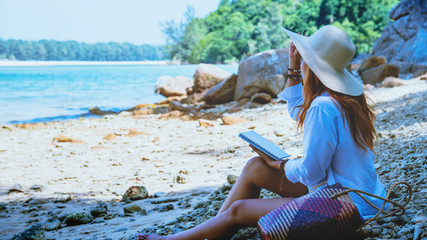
x=330, y=153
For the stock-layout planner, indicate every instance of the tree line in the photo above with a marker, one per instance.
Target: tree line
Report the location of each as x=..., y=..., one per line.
x=78, y=51
x=239, y=28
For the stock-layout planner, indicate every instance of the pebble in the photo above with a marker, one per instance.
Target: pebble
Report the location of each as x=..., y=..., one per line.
x=16, y=188
x=134, y=208
x=135, y=193
x=34, y=232
x=78, y=218
x=166, y=208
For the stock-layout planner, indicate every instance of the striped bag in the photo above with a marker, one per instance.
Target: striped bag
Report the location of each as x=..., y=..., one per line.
x=327, y=213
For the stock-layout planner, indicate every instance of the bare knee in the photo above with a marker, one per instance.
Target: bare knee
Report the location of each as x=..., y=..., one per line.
x=236, y=213
x=255, y=165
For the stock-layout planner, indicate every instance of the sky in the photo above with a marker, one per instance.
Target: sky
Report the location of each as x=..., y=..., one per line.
x=135, y=21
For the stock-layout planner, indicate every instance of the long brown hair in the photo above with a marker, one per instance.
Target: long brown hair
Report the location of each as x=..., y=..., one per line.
x=356, y=109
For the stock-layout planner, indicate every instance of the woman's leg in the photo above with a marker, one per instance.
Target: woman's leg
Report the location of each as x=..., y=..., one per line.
x=242, y=213
x=256, y=175
x=242, y=208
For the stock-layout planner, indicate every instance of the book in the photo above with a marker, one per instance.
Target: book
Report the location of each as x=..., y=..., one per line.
x=264, y=145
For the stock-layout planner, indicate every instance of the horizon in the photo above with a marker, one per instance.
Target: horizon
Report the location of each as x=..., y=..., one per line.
x=97, y=21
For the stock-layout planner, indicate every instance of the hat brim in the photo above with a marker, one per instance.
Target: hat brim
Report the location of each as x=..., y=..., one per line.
x=339, y=81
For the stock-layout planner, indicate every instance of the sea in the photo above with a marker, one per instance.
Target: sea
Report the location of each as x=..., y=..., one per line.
x=30, y=94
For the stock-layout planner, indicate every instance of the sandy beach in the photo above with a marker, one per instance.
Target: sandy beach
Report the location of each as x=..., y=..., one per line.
x=45, y=178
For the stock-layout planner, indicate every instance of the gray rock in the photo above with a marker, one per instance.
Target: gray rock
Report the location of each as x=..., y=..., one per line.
x=99, y=211
x=231, y=179
x=52, y=224
x=404, y=37
x=262, y=72
x=2, y=207
x=223, y=92
x=135, y=193
x=166, y=208
x=16, y=188
x=169, y=86
x=207, y=76
x=261, y=98
x=78, y=218
x=37, y=188
x=378, y=74
x=35, y=232
x=134, y=208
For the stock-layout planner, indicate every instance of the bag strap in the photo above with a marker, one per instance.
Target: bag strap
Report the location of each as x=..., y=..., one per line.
x=401, y=206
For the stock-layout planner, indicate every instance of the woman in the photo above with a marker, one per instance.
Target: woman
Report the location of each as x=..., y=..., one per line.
x=337, y=142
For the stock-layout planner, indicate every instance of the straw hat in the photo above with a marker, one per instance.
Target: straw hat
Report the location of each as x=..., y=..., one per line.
x=327, y=52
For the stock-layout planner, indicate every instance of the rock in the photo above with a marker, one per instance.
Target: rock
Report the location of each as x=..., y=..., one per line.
x=231, y=120
x=371, y=62
x=52, y=224
x=171, y=115
x=223, y=92
x=35, y=232
x=196, y=98
x=2, y=207
x=166, y=208
x=231, y=179
x=175, y=105
x=169, y=86
x=170, y=99
x=390, y=82
x=404, y=37
x=206, y=123
x=207, y=76
x=261, y=98
x=134, y=208
x=78, y=218
x=135, y=193
x=262, y=72
x=110, y=137
x=134, y=133
x=378, y=74
x=99, y=211
x=97, y=111
x=36, y=188
x=64, y=139
x=16, y=188
x=243, y=102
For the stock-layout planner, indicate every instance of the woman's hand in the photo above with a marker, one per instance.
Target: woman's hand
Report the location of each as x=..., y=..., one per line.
x=270, y=161
x=294, y=57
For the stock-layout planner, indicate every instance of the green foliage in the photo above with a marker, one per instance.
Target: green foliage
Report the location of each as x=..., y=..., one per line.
x=239, y=28
x=73, y=50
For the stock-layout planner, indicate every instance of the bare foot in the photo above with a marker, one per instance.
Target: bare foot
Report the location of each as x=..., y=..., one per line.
x=149, y=237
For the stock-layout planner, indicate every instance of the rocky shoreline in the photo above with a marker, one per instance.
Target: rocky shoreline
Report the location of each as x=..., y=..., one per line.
x=66, y=180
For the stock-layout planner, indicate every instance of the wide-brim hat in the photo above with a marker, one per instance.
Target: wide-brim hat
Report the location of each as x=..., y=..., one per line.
x=327, y=52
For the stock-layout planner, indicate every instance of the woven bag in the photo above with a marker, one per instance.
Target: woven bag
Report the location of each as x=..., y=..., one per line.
x=327, y=213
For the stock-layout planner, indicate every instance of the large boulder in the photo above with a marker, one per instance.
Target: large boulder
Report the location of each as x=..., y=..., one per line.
x=403, y=40
x=378, y=74
x=169, y=86
x=207, y=76
x=262, y=72
x=223, y=92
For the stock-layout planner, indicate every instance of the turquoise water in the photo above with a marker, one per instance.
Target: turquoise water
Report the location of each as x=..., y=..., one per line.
x=47, y=93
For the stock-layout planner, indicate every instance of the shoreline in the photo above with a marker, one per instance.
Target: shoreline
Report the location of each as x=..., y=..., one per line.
x=17, y=63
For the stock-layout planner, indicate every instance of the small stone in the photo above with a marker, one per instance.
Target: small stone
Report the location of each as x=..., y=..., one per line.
x=134, y=208
x=2, y=207
x=206, y=123
x=16, y=188
x=36, y=188
x=52, y=224
x=120, y=230
x=231, y=120
x=110, y=137
x=159, y=194
x=279, y=133
x=231, y=179
x=32, y=233
x=135, y=193
x=99, y=210
x=78, y=218
x=166, y=208
x=64, y=139
x=261, y=98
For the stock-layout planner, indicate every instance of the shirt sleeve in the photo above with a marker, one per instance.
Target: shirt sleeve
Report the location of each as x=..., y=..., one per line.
x=319, y=143
x=293, y=96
